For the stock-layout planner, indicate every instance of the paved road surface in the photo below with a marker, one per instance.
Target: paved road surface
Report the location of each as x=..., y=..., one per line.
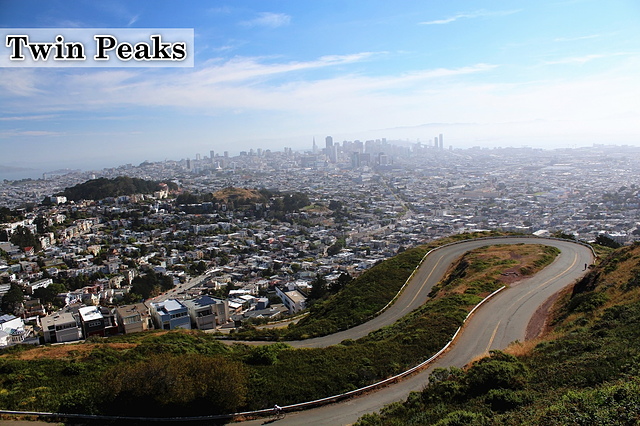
x=499, y=322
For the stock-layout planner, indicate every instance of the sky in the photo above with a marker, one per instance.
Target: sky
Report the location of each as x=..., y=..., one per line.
x=272, y=74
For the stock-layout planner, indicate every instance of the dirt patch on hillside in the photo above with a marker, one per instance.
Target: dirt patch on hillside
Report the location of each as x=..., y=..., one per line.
x=68, y=351
x=539, y=323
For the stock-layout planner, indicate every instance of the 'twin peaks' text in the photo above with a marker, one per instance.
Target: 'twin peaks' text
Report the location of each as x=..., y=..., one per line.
x=106, y=45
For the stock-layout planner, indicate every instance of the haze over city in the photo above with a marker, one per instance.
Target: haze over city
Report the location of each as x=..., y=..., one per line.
x=273, y=74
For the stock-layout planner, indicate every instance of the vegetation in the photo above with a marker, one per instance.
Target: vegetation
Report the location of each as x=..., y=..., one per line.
x=12, y=300
x=151, y=284
x=585, y=372
x=231, y=198
x=359, y=300
x=98, y=189
x=184, y=373
x=22, y=237
x=8, y=215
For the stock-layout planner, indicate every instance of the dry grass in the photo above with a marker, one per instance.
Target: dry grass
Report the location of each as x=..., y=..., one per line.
x=228, y=194
x=69, y=351
x=501, y=263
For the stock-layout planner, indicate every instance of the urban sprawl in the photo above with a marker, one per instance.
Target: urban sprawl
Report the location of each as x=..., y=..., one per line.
x=178, y=257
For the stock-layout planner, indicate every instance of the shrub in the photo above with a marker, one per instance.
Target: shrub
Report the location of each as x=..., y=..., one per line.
x=506, y=399
x=463, y=418
x=498, y=371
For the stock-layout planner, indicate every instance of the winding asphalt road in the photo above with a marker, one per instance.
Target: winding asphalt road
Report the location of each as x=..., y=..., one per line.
x=500, y=321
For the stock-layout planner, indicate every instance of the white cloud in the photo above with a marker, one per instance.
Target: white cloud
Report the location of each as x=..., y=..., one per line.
x=586, y=37
x=28, y=117
x=133, y=20
x=247, y=96
x=586, y=58
x=470, y=15
x=33, y=133
x=20, y=82
x=222, y=10
x=268, y=19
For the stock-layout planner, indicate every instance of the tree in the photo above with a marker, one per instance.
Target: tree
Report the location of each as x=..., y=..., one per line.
x=318, y=288
x=48, y=294
x=341, y=282
x=12, y=301
x=336, y=247
x=22, y=237
x=151, y=284
x=605, y=241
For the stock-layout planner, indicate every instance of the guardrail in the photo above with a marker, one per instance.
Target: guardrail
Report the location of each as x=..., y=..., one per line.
x=317, y=402
x=292, y=407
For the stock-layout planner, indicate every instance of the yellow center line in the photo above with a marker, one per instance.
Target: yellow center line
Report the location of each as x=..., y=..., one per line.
x=575, y=259
x=422, y=286
x=495, y=331
x=493, y=336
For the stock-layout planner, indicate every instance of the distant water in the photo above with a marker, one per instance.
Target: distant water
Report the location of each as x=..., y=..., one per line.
x=20, y=174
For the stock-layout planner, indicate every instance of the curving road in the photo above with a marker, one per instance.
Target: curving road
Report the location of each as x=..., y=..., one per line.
x=500, y=321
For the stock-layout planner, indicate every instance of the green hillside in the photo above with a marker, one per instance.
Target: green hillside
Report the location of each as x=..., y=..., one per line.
x=97, y=189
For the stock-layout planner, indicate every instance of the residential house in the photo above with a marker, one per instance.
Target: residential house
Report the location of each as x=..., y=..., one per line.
x=110, y=321
x=207, y=312
x=61, y=327
x=292, y=299
x=170, y=314
x=12, y=330
x=92, y=321
x=134, y=318
x=43, y=283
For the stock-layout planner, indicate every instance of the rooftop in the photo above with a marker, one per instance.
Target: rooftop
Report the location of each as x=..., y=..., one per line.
x=90, y=313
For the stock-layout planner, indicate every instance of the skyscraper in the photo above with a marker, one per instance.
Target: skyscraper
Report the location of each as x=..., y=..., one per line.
x=330, y=150
x=328, y=142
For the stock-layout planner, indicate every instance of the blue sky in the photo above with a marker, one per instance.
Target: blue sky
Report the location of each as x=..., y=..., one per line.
x=271, y=74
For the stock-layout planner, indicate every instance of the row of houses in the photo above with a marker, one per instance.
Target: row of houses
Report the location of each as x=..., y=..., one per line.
x=81, y=322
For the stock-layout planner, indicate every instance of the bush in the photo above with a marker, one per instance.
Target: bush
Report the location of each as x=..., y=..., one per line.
x=506, y=399
x=166, y=385
x=498, y=371
x=463, y=418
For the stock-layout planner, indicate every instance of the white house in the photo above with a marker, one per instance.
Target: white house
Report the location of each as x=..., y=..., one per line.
x=11, y=330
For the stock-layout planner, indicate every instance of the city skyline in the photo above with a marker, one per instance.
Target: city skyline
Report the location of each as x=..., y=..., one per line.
x=278, y=74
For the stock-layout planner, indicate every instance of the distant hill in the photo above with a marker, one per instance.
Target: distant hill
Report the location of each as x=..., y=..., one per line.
x=235, y=194
x=97, y=189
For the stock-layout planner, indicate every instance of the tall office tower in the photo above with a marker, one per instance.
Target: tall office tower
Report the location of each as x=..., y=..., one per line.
x=329, y=148
x=188, y=164
x=328, y=142
x=315, y=147
x=211, y=156
x=355, y=160
x=334, y=153
x=369, y=146
x=226, y=154
x=440, y=140
x=197, y=157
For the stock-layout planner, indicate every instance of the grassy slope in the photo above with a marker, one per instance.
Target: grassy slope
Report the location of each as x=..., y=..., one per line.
x=88, y=377
x=586, y=371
